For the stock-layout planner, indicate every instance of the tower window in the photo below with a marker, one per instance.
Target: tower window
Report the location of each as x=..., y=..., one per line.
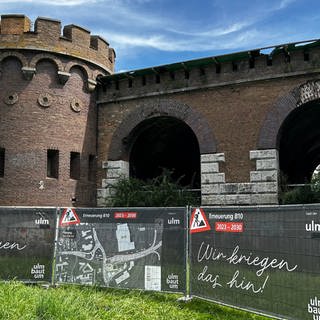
x=75, y=165
x=52, y=163
x=2, y=162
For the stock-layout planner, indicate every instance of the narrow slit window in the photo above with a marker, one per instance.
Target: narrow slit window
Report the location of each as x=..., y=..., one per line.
x=306, y=56
x=130, y=83
x=234, y=66
x=186, y=74
x=157, y=78
x=144, y=80
x=2, y=162
x=53, y=163
x=218, y=68
x=269, y=61
x=75, y=165
x=91, y=167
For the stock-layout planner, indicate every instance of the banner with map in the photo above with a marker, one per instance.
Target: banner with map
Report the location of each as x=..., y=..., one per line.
x=142, y=248
x=264, y=259
x=27, y=243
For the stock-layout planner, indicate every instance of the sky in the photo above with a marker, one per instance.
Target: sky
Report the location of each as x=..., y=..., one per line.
x=146, y=33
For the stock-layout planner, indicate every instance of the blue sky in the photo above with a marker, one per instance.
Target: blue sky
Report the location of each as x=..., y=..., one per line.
x=148, y=33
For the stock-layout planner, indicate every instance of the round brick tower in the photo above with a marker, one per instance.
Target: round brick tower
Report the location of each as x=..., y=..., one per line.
x=48, y=112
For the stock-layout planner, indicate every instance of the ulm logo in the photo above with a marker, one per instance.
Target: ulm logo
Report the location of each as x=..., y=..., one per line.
x=313, y=227
x=41, y=220
x=173, y=221
x=314, y=308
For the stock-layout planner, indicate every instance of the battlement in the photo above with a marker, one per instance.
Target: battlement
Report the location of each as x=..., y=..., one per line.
x=279, y=61
x=75, y=41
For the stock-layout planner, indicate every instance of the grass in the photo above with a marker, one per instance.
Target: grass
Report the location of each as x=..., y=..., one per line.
x=19, y=301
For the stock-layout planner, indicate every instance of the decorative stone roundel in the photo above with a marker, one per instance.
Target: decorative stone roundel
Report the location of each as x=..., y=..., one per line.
x=45, y=100
x=76, y=105
x=11, y=98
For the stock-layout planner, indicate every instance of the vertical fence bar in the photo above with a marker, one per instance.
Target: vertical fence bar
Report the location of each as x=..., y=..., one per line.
x=54, y=261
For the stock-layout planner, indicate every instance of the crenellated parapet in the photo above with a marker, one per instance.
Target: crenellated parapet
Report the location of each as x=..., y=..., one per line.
x=48, y=36
x=286, y=60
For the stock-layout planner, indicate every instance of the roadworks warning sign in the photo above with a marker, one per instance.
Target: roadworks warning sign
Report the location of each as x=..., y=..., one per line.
x=69, y=217
x=199, y=221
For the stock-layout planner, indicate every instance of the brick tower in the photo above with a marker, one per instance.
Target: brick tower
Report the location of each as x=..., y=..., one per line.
x=48, y=111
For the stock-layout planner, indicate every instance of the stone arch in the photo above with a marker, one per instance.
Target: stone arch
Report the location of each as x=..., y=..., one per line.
x=23, y=60
x=43, y=56
x=168, y=108
x=73, y=64
x=306, y=92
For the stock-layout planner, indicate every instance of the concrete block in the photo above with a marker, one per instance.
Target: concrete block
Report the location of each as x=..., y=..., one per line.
x=265, y=187
x=210, y=189
x=230, y=188
x=245, y=187
x=264, y=176
x=209, y=167
x=118, y=164
x=210, y=157
x=238, y=199
x=267, y=164
x=212, y=178
x=212, y=200
x=263, y=154
x=266, y=198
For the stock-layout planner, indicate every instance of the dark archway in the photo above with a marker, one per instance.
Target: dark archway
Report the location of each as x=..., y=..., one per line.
x=162, y=143
x=299, y=143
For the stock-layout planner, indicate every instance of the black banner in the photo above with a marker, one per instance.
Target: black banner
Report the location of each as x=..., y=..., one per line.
x=27, y=243
x=141, y=248
x=264, y=259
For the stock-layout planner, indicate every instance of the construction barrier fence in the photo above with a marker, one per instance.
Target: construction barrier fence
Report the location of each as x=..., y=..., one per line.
x=264, y=259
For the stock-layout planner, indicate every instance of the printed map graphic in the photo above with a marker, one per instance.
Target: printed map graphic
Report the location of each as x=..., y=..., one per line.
x=126, y=255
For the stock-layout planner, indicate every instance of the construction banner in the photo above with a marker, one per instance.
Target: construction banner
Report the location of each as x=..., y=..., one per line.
x=27, y=243
x=264, y=259
x=143, y=248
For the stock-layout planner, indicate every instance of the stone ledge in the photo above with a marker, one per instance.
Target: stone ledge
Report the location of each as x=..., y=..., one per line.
x=208, y=178
x=263, y=154
x=212, y=157
x=209, y=167
x=266, y=164
x=264, y=176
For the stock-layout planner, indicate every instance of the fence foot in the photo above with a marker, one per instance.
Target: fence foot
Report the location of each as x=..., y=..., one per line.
x=186, y=298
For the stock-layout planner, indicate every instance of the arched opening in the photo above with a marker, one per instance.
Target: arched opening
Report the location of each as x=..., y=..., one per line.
x=299, y=143
x=164, y=143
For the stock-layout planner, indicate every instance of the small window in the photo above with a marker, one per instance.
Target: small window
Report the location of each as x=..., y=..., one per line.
x=251, y=62
x=186, y=74
x=172, y=75
x=157, y=78
x=269, y=61
x=91, y=167
x=306, y=56
x=218, y=68
x=75, y=165
x=117, y=85
x=53, y=163
x=2, y=162
x=144, y=80
x=130, y=83
x=234, y=66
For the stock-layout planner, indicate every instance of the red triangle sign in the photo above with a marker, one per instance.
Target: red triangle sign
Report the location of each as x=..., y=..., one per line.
x=199, y=222
x=69, y=217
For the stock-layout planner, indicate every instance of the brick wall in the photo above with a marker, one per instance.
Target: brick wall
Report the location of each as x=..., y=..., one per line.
x=37, y=115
